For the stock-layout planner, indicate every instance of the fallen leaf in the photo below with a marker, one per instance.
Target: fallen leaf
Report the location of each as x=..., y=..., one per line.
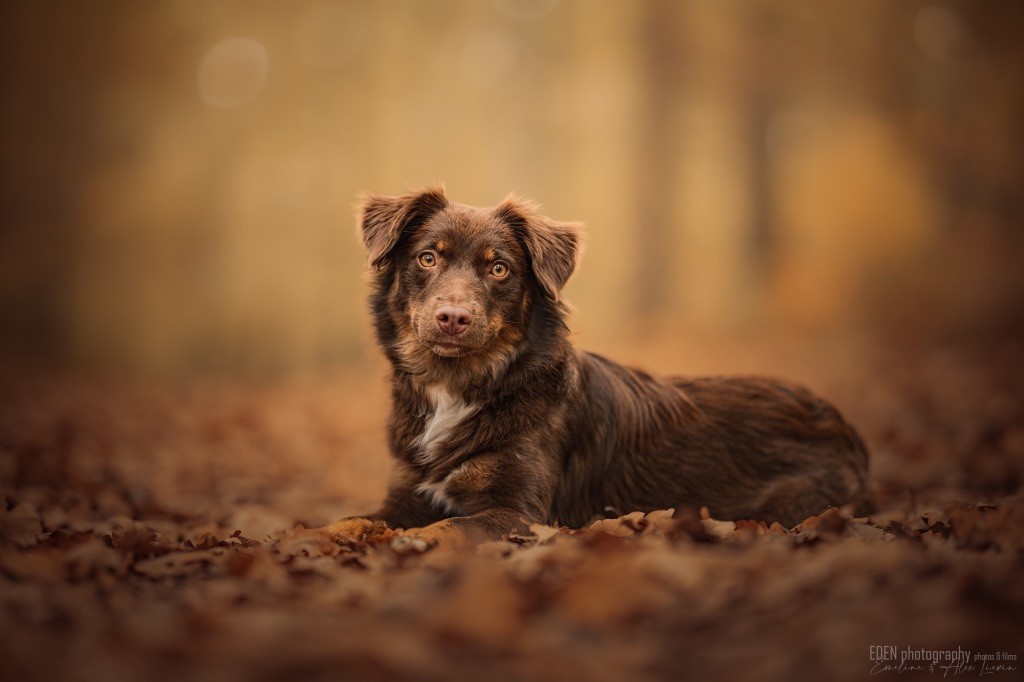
x=21, y=525
x=719, y=529
x=139, y=541
x=543, y=533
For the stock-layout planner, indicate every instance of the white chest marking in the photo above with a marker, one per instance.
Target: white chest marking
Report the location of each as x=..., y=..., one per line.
x=449, y=412
x=437, y=494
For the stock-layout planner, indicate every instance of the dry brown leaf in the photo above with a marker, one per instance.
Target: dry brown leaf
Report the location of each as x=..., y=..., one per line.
x=543, y=533
x=976, y=526
x=868, y=532
x=719, y=529
x=751, y=527
x=65, y=540
x=624, y=526
x=303, y=542
x=259, y=566
x=21, y=525
x=140, y=541
x=86, y=559
x=830, y=524
x=179, y=564
x=660, y=520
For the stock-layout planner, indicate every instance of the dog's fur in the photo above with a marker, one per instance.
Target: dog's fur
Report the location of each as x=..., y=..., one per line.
x=507, y=424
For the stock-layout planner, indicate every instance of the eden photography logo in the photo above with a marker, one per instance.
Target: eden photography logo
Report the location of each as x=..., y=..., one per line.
x=947, y=663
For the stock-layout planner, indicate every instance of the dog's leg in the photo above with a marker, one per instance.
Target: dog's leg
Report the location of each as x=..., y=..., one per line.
x=403, y=508
x=466, y=531
x=352, y=528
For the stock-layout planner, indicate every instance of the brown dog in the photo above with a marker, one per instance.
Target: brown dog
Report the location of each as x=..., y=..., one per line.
x=498, y=422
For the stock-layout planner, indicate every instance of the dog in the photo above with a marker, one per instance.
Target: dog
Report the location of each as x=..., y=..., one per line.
x=499, y=422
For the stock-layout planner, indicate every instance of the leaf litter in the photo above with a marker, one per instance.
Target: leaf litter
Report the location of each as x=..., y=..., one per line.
x=158, y=534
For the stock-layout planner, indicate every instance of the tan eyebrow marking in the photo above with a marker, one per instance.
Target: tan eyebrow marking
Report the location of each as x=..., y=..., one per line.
x=440, y=245
x=489, y=254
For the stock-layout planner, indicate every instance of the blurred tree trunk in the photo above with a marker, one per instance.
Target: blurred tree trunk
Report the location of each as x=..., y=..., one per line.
x=762, y=83
x=656, y=176
x=762, y=210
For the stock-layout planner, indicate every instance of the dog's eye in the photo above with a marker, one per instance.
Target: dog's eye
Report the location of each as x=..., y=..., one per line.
x=427, y=259
x=499, y=269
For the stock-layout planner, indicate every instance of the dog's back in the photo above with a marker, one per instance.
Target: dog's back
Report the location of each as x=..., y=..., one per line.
x=745, y=447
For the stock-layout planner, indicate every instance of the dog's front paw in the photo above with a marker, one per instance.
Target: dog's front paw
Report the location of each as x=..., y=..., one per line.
x=440, y=535
x=355, y=528
x=407, y=543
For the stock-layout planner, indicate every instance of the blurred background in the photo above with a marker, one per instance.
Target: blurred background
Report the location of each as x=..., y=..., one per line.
x=825, y=190
x=178, y=179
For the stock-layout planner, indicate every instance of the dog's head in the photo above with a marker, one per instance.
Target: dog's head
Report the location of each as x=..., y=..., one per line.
x=459, y=283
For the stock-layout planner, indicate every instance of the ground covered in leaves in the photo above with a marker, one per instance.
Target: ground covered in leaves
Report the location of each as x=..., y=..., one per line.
x=146, y=533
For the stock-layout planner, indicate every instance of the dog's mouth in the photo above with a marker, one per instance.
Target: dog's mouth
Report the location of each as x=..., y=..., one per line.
x=450, y=345
x=449, y=349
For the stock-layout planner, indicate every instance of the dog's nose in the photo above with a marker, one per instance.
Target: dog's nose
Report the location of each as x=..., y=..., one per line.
x=453, y=320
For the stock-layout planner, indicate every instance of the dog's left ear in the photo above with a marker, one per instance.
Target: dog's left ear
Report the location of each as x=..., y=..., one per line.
x=553, y=246
x=384, y=220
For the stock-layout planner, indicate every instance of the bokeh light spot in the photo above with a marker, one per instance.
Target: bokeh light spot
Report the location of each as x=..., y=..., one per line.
x=233, y=72
x=939, y=33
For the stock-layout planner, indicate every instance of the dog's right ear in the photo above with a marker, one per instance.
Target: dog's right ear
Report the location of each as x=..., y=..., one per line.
x=553, y=246
x=384, y=220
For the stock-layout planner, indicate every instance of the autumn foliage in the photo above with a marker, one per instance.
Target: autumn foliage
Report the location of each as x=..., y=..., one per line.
x=149, y=533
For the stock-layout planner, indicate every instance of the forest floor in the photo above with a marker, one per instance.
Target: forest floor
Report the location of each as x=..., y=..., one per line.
x=146, y=535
